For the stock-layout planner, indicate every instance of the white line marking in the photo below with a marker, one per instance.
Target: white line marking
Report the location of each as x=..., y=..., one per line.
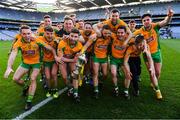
x=34, y=108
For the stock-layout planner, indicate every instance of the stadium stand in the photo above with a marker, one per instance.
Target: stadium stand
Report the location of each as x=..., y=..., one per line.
x=11, y=19
x=155, y=8
x=7, y=35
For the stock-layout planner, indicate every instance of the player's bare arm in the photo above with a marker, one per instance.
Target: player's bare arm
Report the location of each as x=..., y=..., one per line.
x=10, y=62
x=130, y=35
x=54, y=52
x=126, y=66
x=168, y=18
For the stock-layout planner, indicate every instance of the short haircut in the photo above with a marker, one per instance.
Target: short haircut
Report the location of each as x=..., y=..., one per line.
x=74, y=30
x=132, y=21
x=122, y=27
x=59, y=23
x=89, y=23
x=147, y=14
x=67, y=18
x=48, y=28
x=42, y=22
x=139, y=38
x=81, y=20
x=24, y=27
x=47, y=16
x=106, y=27
x=115, y=11
x=72, y=15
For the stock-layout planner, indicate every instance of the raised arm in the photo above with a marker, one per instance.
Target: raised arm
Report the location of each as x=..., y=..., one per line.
x=92, y=38
x=97, y=28
x=130, y=35
x=167, y=19
x=81, y=39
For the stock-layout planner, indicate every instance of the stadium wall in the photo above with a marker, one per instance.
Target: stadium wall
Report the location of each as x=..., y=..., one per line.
x=134, y=10
x=11, y=19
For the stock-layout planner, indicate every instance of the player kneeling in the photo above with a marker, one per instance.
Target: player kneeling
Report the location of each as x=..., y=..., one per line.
x=140, y=46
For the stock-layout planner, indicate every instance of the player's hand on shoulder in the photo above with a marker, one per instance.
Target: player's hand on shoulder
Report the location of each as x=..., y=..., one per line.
x=93, y=37
x=33, y=37
x=65, y=37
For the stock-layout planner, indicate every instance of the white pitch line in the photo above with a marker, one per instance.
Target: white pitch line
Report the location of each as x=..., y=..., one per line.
x=34, y=108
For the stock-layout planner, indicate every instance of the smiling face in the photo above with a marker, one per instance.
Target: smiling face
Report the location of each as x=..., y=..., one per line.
x=132, y=25
x=81, y=25
x=88, y=28
x=73, y=37
x=48, y=35
x=114, y=17
x=121, y=34
x=47, y=22
x=68, y=25
x=26, y=34
x=146, y=21
x=60, y=26
x=140, y=46
x=106, y=33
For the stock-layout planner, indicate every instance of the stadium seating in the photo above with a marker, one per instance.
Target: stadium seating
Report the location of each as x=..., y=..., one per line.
x=7, y=34
x=176, y=32
x=11, y=19
x=156, y=9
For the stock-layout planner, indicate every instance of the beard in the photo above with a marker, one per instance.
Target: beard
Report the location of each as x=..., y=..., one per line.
x=114, y=21
x=147, y=26
x=120, y=38
x=87, y=32
x=49, y=39
x=27, y=39
x=72, y=42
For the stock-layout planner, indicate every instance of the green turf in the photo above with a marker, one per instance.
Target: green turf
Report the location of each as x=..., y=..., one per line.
x=144, y=106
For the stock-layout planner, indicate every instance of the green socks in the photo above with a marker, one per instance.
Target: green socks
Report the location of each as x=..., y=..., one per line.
x=126, y=90
x=75, y=91
x=157, y=87
x=96, y=89
x=29, y=98
x=116, y=87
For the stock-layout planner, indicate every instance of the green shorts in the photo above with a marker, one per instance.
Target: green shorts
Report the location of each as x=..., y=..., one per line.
x=155, y=56
x=49, y=64
x=116, y=61
x=28, y=66
x=99, y=60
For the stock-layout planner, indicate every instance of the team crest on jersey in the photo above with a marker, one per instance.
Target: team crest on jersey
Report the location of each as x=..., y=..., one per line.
x=150, y=39
x=30, y=52
x=47, y=51
x=29, y=46
x=34, y=46
x=119, y=47
x=69, y=56
x=102, y=46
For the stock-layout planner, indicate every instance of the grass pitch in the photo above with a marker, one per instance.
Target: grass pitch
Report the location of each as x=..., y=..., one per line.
x=145, y=106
